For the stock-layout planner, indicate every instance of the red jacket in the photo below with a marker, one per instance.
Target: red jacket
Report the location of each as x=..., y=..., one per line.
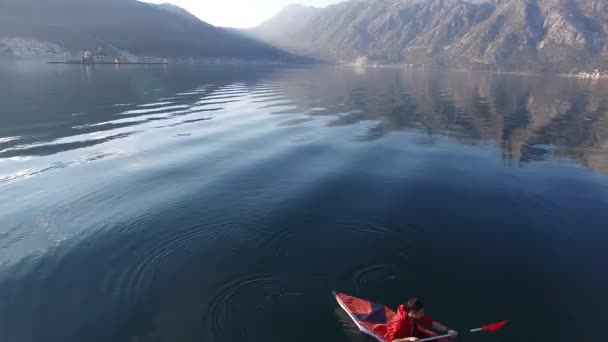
x=401, y=326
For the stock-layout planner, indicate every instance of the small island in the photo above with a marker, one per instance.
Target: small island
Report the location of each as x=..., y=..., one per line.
x=99, y=57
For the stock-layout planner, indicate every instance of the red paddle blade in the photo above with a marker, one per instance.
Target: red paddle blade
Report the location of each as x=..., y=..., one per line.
x=494, y=327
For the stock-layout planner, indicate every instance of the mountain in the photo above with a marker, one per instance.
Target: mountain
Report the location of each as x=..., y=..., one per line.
x=509, y=35
x=286, y=23
x=170, y=8
x=142, y=29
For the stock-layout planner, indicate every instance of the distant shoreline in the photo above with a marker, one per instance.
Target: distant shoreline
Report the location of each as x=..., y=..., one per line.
x=587, y=76
x=107, y=63
x=601, y=76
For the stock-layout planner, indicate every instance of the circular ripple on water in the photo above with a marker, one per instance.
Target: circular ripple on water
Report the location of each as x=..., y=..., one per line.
x=367, y=228
x=153, y=255
x=372, y=240
x=246, y=307
x=370, y=278
x=371, y=230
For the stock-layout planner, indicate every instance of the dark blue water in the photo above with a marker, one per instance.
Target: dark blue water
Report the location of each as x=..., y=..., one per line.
x=148, y=204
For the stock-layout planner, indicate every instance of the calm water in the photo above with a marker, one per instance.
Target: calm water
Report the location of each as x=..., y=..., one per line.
x=149, y=204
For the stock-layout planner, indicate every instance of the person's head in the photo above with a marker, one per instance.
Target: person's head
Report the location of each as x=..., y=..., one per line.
x=415, y=308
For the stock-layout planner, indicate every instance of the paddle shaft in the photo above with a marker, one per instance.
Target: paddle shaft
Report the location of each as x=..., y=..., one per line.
x=445, y=336
x=492, y=327
x=435, y=338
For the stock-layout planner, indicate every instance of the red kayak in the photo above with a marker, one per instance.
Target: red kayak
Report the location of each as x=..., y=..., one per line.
x=371, y=318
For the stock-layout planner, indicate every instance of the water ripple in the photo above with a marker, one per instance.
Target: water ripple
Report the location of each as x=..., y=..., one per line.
x=155, y=104
x=221, y=97
x=8, y=139
x=149, y=256
x=154, y=110
x=367, y=278
x=268, y=295
x=13, y=235
x=46, y=149
x=28, y=173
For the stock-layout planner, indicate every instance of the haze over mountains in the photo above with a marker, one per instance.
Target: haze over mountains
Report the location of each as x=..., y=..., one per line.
x=140, y=28
x=513, y=35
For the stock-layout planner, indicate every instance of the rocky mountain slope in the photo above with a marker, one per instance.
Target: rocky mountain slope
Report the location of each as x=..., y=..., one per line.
x=291, y=20
x=513, y=35
x=142, y=29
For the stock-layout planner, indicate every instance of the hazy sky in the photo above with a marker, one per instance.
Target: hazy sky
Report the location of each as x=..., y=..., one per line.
x=239, y=13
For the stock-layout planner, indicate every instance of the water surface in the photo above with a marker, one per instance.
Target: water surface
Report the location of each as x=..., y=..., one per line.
x=225, y=203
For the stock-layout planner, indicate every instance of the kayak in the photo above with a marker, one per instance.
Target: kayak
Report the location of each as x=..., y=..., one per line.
x=371, y=318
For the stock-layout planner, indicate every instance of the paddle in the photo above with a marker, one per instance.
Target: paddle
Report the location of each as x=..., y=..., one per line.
x=491, y=328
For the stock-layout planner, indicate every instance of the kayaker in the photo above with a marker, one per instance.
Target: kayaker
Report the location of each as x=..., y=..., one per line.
x=403, y=326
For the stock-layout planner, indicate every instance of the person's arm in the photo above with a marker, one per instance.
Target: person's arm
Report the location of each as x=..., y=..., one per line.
x=443, y=329
x=439, y=327
x=395, y=326
x=407, y=339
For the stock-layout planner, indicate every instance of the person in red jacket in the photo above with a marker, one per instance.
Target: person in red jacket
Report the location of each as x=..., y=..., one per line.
x=403, y=327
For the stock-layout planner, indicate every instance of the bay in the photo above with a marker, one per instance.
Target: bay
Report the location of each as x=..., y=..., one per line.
x=225, y=203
